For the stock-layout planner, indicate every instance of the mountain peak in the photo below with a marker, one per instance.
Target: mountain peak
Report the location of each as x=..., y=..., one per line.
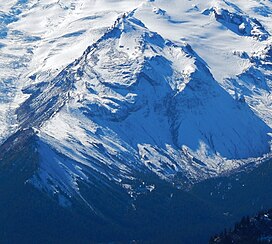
x=126, y=87
x=115, y=114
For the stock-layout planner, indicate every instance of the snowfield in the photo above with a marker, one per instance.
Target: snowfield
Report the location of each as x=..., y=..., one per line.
x=180, y=89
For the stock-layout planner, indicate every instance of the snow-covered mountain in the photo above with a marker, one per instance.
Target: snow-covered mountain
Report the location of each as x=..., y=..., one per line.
x=113, y=90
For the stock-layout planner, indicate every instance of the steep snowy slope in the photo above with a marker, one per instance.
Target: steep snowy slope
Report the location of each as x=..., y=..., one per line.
x=39, y=38
x=178, y=89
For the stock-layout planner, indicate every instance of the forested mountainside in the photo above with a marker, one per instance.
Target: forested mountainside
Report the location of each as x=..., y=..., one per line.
x=256, y=229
